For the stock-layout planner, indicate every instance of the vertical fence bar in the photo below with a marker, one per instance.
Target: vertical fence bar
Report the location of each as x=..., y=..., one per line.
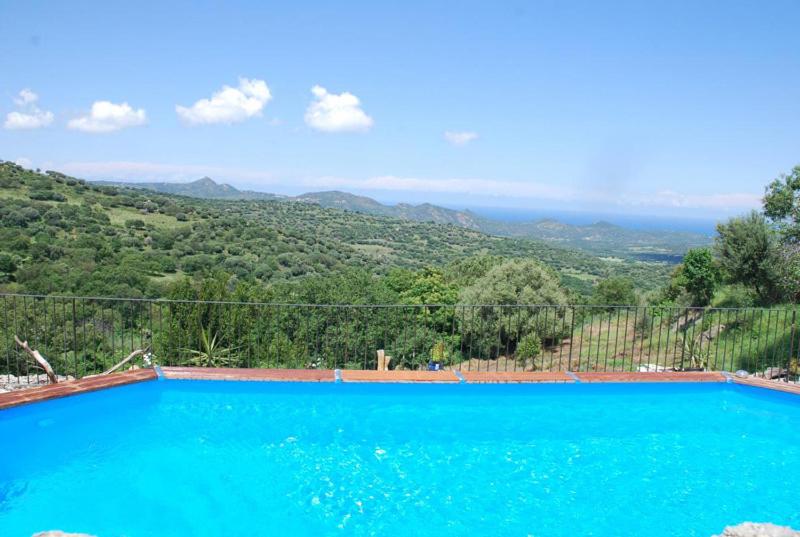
x=7, y=339
x=791, y=344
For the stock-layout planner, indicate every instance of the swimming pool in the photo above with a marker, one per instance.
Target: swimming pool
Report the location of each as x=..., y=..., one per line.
x=207, y=458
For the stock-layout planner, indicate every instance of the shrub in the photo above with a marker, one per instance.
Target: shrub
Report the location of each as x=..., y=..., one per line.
x=47, y=195
x=134, y=224
x=616, y=291
x=528, y=348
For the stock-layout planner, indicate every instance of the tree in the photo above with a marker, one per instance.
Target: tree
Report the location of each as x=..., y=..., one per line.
x=495, y=325
x=516, y=281
x=782, y=203
x=7, y=264
x=700, y=275
x=747, y=250
x=614, y=291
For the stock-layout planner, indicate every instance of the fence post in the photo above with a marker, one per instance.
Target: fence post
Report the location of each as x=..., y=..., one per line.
x=791, y=345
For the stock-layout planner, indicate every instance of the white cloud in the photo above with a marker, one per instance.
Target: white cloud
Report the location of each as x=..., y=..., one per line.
x=106, y=116
x=30, y=116
x=25, y=97
x=460, y=137
x=330, y=112
x=24, y=162
x=34, y=120
x=228, y=105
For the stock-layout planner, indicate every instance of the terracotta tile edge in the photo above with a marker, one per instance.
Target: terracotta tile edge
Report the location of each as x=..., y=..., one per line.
x=74, y=387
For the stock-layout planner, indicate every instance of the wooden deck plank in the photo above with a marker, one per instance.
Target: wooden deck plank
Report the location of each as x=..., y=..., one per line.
x=251, y=374
x=484, y=377
x=349, y=375
x=73, y=387
x=769, y=384
x=672, y=376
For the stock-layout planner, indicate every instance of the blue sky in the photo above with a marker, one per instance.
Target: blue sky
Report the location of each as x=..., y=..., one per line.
x=683, y=108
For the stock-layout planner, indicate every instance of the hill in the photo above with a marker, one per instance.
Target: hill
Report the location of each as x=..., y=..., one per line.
x=602, y=238
x=62, y=235
x=205, y=188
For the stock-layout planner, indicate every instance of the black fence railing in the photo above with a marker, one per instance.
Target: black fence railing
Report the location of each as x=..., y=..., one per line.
x=86, y=335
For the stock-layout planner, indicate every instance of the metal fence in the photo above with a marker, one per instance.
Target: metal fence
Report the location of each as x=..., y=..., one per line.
x=86, y=335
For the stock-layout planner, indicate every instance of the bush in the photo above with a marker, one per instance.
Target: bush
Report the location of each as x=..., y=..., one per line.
x=7, y=264
x=134, y=224
x=736, y=296
x=617, y=291
x=528, y=348
x=47, y=195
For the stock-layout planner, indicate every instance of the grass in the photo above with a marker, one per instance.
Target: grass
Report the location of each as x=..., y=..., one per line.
x=720, y=339
x=118, y=216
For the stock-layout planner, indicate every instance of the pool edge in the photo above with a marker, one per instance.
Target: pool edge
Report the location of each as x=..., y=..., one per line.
x=74, y=387
x=91, y=384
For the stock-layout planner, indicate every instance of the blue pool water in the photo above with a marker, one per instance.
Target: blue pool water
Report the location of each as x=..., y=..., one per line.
x=199, y=458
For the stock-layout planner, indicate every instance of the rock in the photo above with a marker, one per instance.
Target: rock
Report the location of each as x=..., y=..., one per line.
x=752, y=529
x=651, y=368
x=774, y=372
x=712, y=332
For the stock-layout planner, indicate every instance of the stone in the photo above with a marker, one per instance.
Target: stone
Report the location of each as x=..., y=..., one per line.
x=752, y=529
x=651, y=368
x=774, y=373
x=10, y=383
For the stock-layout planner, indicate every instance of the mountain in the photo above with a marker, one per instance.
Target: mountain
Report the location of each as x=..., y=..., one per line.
x=362, y=204
x=205, y=188
x=601, y=238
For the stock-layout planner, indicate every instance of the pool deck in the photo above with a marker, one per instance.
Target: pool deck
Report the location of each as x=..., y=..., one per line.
x=90, y=384
x=74, y=387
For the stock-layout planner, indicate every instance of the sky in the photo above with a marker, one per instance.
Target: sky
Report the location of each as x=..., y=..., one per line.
x=663, y=108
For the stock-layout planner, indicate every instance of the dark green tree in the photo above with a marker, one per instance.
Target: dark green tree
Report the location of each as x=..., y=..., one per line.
x=700, y=275
x=747, y=249
x=782, y=203
x=614, y=291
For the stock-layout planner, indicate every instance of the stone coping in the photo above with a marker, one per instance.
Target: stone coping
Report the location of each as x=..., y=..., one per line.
x=89, y=384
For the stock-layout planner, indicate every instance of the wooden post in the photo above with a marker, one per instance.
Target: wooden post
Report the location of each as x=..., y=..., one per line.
x=383, y=360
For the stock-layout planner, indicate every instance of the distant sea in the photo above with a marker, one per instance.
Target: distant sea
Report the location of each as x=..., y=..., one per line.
x=655, y=223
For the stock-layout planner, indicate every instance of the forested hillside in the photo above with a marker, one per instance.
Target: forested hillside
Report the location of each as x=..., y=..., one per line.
x=64, y=235
x=601, y=238
x=205, y=188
